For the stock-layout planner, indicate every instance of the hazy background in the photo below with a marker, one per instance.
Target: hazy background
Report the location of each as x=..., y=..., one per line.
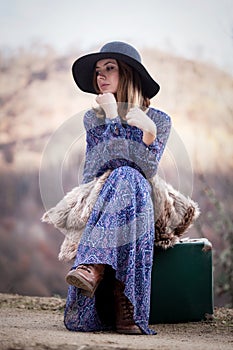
x=196, y=29
x=188, y=48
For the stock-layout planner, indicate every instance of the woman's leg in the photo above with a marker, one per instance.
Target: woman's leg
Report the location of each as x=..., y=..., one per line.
x=120, y=234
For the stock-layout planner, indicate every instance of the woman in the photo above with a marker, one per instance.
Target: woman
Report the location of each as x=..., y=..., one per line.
x=111, y=277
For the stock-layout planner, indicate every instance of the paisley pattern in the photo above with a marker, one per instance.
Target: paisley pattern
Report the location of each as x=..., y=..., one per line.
x=120, y=230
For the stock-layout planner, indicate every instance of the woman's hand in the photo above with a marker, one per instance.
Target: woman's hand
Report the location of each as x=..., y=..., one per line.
x=136, y=117
x=107, y=101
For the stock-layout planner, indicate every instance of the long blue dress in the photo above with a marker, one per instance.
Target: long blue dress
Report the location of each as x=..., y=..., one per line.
x=120, y=229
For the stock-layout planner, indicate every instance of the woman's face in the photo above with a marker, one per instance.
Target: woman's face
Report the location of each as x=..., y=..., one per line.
x=107, y=75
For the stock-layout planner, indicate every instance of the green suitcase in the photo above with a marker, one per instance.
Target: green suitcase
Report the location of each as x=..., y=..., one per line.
x=182, y=282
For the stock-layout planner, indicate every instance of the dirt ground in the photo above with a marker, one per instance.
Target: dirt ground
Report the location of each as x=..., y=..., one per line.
x=35, y=323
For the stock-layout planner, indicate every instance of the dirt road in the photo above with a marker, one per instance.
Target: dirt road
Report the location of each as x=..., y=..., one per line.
x=34, y=323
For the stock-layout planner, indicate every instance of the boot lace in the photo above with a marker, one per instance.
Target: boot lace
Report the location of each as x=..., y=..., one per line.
x=126, y=307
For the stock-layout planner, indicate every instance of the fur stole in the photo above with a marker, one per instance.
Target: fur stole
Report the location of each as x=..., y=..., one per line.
x=174, y=213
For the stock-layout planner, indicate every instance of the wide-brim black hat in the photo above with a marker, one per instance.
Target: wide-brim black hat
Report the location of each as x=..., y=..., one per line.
x=83, y=68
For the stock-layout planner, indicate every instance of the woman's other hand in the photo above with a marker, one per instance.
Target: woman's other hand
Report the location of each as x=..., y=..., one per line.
x=136, y=117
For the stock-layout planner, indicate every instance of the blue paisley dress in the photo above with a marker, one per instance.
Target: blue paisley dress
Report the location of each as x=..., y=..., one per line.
x=120, y=229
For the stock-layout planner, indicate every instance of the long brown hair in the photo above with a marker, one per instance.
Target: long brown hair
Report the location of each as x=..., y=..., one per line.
x=129, y=92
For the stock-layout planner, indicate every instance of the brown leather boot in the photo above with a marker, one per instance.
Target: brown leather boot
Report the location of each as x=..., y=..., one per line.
x=124, y=312
x=86, y=277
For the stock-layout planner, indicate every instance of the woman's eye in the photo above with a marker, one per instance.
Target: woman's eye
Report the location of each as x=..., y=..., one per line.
x=106, y=69
x=109, y=68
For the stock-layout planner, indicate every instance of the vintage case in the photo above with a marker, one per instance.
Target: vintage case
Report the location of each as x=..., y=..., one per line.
x=182, y=282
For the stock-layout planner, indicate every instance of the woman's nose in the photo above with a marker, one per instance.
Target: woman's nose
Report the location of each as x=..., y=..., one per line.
x=101, y=75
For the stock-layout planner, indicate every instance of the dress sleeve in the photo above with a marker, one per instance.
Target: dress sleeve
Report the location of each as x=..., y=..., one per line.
x=163, y=124
x=148, y=157
x=105, y=144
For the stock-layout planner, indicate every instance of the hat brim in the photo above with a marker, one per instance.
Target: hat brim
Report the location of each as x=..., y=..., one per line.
x=83, y=70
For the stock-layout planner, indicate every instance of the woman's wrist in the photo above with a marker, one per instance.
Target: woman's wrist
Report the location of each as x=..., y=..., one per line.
x=148, y=138
x=116, y=119
x=111, y=112
x=149, y=135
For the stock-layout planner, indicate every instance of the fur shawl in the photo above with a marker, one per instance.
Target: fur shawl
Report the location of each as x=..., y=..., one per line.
x=174, y=213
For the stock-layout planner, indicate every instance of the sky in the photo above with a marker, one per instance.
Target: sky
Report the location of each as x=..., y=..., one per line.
x=200, y=29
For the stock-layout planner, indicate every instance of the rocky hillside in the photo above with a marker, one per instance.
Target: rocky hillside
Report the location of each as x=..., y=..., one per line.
x=37, y=94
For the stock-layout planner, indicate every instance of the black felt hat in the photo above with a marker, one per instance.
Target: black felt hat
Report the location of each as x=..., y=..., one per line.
x=83, y=68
